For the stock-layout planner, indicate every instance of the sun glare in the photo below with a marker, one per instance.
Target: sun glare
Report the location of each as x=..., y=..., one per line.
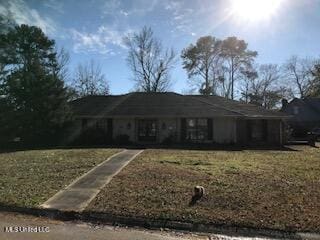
x=255, y=10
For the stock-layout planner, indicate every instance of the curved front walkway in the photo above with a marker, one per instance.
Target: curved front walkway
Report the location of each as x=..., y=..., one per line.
x=83, y=190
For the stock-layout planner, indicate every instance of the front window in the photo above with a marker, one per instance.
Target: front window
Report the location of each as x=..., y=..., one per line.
x=102, y=124
x=257, y=130
x=147, y=130
x=197, y=129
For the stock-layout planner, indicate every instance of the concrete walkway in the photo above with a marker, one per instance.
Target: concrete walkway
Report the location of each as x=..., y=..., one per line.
x=83, y=190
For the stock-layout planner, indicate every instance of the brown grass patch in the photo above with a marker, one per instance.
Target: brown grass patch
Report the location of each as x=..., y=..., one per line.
x=261, y=189
x=29, y=178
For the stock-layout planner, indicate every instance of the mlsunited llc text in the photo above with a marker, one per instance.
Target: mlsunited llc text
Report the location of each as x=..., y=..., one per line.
x=26, y=229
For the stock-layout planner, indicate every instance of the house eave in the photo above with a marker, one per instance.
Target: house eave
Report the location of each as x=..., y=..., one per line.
x=182, y=116
x=267, y=117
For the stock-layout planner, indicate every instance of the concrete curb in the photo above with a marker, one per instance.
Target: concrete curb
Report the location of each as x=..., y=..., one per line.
x=104, y=218
x=223, y=229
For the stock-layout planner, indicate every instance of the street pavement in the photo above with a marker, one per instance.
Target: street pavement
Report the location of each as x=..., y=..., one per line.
x=70, y=230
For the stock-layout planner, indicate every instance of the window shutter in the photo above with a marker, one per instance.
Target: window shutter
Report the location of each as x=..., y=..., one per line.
x=249, y=130
x=265, y=130
x=84, y=124
x=210, y=128
x=109, y=129
x=183, y=129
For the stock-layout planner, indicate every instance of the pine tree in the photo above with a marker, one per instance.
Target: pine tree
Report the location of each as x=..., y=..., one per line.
x=32, y=92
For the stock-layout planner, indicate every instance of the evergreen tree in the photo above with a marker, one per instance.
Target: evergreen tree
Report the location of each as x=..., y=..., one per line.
x=33, y=95
x=202, y=61
x=237, y=57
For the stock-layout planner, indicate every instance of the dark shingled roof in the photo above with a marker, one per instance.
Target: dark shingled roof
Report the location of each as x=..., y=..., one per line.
x=95, y=105
x=309, y=109
x=166, y=105
x=244, y=109
x=314, y=103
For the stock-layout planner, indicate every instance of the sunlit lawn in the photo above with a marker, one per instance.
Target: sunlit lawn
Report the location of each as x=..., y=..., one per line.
x=262, y=189
x=28, y=178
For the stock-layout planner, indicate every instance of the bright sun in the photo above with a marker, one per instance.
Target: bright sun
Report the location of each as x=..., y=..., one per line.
x=255, y=10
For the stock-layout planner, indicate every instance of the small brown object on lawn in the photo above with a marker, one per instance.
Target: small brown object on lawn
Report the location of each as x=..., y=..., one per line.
x=198, y=193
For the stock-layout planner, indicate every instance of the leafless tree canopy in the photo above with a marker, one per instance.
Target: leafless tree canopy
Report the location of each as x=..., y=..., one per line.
x=149, y=61
x=298, y=73
x=262, y=86
x=315, y=90
x=63, y=59
x=89, y=80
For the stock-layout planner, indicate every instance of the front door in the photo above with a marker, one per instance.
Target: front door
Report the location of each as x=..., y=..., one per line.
x=147, y=130
x=257, y=131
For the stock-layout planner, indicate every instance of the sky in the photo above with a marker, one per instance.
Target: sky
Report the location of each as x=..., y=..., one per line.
x=94, y=29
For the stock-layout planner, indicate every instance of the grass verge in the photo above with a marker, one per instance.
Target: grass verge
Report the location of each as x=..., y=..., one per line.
x=260, y=189
x=29, y=178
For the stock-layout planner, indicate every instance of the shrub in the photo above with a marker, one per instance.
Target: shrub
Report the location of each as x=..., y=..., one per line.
x=93, y=136
x=169, y=139
x=122, y=139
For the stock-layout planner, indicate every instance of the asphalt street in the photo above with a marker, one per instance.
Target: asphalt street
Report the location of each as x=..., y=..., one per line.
x=59, y=230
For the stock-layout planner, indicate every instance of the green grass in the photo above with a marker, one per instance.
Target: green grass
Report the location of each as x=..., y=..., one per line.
x=252, y=188
x=29, y=178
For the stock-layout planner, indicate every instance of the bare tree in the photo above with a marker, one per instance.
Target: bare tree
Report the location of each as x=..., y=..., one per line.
x=248, y=78
x=89, y=80
x=315, y=89
x=267, y=86
x=149, y=62
x=262, y=86
x=298, y=72
x=62, y=70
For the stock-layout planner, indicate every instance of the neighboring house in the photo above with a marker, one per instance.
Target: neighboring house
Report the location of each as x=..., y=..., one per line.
x=305, y=115
x=160, y=117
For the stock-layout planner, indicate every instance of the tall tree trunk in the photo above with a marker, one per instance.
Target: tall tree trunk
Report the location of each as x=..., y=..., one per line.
x=207, y=83
x=232, y=80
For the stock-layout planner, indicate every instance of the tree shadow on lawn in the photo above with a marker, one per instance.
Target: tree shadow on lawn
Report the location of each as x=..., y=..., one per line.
x=212, y=147
x=38, y=212
x=67, y=147
x=200, y=147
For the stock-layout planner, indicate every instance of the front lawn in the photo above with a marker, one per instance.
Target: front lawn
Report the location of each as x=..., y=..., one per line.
x=252, y=188
x=29, y=178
